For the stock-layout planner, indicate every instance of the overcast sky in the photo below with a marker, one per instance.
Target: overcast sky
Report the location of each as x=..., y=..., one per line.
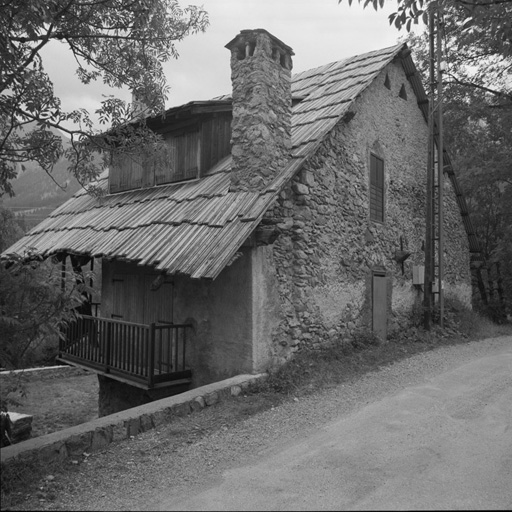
x=319, y=31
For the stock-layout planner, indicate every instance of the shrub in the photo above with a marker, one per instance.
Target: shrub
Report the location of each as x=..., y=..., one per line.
x=364, y=338
x=33, y=307
x=12, y=390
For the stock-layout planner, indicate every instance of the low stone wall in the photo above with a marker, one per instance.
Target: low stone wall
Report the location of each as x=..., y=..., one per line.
x=97, y=434
x=44, y=373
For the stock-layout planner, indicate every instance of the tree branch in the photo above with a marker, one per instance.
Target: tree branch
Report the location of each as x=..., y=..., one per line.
x=481, y=87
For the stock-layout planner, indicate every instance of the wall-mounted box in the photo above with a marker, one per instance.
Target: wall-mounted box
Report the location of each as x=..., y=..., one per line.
x=418, y=274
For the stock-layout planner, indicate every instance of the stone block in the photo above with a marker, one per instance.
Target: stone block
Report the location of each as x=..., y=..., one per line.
x=146, y=422
x=307, y=178
x=224, y=393
x=211, y=398
x=181, y=409
x=161, y=417
x=235, y=390
x=119, y=431
x=132, y=427
x=101, y=438
x=300, y=189
x=21, y=426
x=53, y=452
x=79, y=443
x=197, y=404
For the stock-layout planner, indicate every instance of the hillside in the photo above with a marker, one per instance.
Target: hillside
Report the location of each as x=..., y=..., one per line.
x=37, y=194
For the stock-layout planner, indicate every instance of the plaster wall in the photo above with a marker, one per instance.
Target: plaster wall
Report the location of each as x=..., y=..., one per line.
x=232, y=316
x=329, y=246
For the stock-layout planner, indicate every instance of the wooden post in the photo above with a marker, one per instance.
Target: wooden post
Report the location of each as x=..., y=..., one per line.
x=429, y=250
x=151, y=358
x=63, y=274
x=108, y=346
x=440, y=164
x=184, y=345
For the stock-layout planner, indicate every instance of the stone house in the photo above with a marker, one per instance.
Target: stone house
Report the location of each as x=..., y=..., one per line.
x=279, y=220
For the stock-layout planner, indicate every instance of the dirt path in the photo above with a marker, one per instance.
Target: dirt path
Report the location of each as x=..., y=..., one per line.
x=444, y=444
x=180, y=465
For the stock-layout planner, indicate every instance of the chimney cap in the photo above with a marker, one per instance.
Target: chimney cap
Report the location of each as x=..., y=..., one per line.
x=248, y=34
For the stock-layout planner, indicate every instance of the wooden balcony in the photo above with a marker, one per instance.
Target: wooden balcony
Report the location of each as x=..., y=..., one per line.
x=146, y=356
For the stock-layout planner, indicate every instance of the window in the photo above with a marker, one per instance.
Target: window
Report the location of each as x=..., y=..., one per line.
x=387, y=82
x=376, y=188
x=403, y=93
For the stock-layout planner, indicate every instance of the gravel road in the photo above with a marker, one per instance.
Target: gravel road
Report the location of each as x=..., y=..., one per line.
x=137, y=474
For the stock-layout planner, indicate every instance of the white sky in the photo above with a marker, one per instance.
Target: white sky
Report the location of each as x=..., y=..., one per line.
x=319, y=31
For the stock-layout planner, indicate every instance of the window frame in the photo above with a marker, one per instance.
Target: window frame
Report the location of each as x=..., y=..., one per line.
x=377, y=191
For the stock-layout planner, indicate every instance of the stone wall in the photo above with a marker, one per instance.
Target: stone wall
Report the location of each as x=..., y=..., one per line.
x=96, y=435
x=329, y=247
x=42, y=373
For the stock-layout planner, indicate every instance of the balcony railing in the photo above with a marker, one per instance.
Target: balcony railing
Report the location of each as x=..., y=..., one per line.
x=146, y=355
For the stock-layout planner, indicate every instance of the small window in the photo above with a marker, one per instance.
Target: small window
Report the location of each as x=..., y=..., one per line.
x=387, y=82
x=376, y=188
x=403, y=92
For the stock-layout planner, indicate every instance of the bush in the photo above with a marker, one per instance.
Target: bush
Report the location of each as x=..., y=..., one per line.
x=33, y=308
x=365, y=338
x=12, y=390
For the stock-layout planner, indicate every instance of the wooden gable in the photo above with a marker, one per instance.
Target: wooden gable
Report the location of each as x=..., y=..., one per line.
x=193, y=145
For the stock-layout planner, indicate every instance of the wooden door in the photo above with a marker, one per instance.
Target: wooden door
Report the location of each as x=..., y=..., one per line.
x=159, y=310
x=379, y=305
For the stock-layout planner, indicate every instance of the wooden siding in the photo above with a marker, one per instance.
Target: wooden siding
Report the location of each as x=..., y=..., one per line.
x=181, y=161
x=129, y=172
x=133, y=300
x=188, y=154
x=216, y=140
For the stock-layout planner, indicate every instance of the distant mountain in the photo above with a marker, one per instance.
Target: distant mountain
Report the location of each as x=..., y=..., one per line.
x=38, y=194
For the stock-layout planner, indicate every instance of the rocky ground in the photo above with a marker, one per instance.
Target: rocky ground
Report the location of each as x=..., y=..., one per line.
x=193, y=451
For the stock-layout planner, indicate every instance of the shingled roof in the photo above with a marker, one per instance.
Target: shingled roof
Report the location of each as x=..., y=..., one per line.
x=195, y=228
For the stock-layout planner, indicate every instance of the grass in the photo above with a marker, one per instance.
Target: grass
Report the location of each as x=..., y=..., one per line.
x=307, y=372
x=58, y=403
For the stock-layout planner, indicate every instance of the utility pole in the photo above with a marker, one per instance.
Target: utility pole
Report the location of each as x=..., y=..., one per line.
x=440, y=165
x=429, y=236
x=434, y=236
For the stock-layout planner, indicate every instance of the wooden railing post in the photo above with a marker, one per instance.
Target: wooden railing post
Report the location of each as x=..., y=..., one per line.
x=108, y=345
x=184, y=345
x=113, y=346
x=151, y=358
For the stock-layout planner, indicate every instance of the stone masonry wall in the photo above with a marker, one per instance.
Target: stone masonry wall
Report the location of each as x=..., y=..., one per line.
x=329, y=246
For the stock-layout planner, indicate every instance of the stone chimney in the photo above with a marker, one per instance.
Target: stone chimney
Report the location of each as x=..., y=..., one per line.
x=261, y=68
x=139, y=109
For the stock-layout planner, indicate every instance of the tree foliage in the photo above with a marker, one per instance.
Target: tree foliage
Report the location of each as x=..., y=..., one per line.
x=34, y=306
x=477, y=112
x=121, y=42
x=10, y=230
x=478, y=19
